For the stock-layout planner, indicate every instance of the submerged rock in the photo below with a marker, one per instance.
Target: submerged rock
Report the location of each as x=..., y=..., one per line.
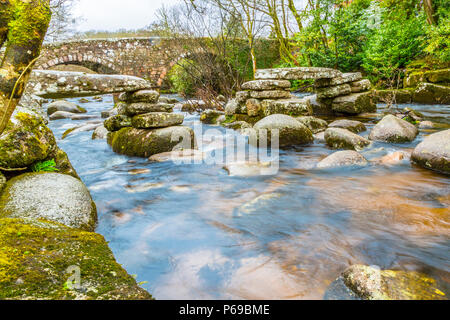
x=342, y=159
x=66, y=106
x=338, y=138
x=145, y=143
x=100, y=133
x=50, y=196
x=251, y=168
x=394, y=130
x=185, y=156
x=434, y=152
x=156, y=120
x=25, y=140
x=287, y=129
x=39, y=259
x=369, y=283
x=60, y=115
x=316, y=125
x=351, y=125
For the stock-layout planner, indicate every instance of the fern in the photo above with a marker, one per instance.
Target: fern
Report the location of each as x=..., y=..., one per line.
x=45, y=166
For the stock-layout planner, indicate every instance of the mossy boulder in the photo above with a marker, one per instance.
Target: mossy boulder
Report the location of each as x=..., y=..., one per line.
x=50, y=196
x=25, y=140
x=434, y=152
x=117, y=122
x=233, y=107
x=63, y=163
x=393, y=96
x=145, y=143
x=338, y=138
x=432, y=94
x=355, y=103
x=334, y=91
x=394, y=130
x=142, y=108
x=291, y=107
x=2, y=182
x=156, y=120
x=65, y=106
x=149, y=96
x=316, y=125
x=351, y=125
x=369, y=283
x=286, y=129
x=38, y=259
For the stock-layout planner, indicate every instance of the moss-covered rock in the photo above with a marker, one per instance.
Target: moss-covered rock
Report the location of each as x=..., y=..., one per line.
x=143, y=107
x=355, y=103
x=210, y=116
x=338, y=138
x=351, y=125
x=316, y=125
x=393, y=96
x=286, y=129
x=342, y=159
x=50, y=196
x=25, y=140
x=291, y=107
x=2, y=182
x=432, y=94
x=38, y=260
x=334, y=91
x=148, y=96
x=369, y=283
x=64, y=106
x=434, y=152
x=145, y=143
x=117, y=122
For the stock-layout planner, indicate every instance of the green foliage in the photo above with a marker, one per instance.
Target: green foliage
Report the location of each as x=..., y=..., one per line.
x=183, y=77
x=45, y=166
x=394, y=44
x=439, y=40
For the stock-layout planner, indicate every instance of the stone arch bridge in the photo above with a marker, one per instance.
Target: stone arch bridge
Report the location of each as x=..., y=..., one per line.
x=148, y=58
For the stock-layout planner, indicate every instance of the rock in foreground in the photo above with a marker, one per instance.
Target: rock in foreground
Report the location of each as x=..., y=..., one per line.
x=434, y=152
x=39, y=259
x=50, y=196
x=344, y=139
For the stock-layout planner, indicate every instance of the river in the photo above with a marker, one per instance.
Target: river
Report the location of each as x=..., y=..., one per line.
x=195, y=232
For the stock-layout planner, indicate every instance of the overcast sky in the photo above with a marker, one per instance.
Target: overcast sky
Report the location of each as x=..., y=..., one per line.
x=117, y=14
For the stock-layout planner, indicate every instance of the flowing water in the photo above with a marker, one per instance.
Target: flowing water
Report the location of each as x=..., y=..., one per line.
x=195, y=232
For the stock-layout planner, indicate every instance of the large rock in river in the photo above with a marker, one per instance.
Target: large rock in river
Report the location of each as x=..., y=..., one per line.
x=434, y=152
x=352, y=125
x=393, y=129
x=40, y=260
x=300, y=73
x=49, y=196
x=291, y=107
x=370, y=283
x=287, y=129
x=314, y=124
x=145, y=143
x=338, y=138
x=355, y=103
x=117, y=122
x=342, y=159
x=66, y=106
x=432, y=94
x=25, y=140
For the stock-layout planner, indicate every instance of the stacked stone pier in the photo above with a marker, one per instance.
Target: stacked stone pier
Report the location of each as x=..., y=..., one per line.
x=145, y=126
x=270, y=94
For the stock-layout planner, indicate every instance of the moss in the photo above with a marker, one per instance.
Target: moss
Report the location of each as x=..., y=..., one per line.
x=35, y=257
x=27, y=17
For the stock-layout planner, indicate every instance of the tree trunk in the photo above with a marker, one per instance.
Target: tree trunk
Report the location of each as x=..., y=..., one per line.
x=26, y=23
x=429, y=10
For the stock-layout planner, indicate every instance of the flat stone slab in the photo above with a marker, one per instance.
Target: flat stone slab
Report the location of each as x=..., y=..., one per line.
x=143, y=107
x=301, y=73
x=355, y=103
x=361, y=86
x=157, y=120
x=333, y=92
x=292, y=107
x=261, y=85
x=271, y=94
x=345, y=78
x=149, y=96
x=61, y=84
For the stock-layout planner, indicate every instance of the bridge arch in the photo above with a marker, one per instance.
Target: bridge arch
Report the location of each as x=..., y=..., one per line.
x=99, y=65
